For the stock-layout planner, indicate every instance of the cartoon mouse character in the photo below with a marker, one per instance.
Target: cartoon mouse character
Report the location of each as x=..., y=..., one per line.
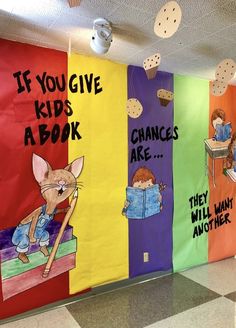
x=56, y=186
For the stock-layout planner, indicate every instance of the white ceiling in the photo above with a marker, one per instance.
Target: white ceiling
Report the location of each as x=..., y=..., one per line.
x=207, y=33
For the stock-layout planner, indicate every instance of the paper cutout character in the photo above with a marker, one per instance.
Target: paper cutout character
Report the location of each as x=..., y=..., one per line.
x=222, y=129
x=56, y=186
x=144, y=198
x=231, y=158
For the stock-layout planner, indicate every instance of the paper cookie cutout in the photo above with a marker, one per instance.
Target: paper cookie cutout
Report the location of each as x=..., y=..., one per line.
x=225, y=70
x=168, y=20
x=218, y=88
x=134, y=108
x=165, y=96
x=151, y=65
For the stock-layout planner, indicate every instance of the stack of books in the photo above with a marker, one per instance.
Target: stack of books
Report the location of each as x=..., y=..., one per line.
x=18, y=277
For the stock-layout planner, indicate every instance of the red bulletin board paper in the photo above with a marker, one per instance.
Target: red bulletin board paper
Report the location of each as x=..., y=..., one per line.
x=222, y=241
x=19, y=192
x=51, y=291
x=18, y=187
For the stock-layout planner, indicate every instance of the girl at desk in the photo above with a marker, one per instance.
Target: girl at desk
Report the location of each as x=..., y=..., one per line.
x=222, y=130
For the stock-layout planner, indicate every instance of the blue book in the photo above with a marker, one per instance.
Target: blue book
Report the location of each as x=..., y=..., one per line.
x=223, y=132
x=142, y=202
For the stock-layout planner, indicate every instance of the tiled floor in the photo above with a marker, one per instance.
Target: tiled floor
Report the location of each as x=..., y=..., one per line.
x=201, y=297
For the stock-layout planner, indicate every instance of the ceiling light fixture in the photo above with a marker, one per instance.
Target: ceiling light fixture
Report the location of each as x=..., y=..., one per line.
x=102, y=36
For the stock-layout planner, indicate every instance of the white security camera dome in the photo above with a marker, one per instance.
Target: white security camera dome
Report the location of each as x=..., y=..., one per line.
x=102, y=37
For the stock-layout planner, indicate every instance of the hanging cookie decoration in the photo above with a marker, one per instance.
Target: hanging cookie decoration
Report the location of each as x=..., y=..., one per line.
x=168, y=20
x=218, y=88
x=134, y=108
x=225, y=70
x=224, y=73
x=165, y=97
x=151, y=65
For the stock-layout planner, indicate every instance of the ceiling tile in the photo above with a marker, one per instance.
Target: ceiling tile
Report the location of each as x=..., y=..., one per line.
x=96, y=8
x=150, y=6
x=4, y=23
x=19, y=38
x=88, y=8
x=54, y=46
x=163, y=47
x=129, y=16
x=180, y=56
x=135, y=41
x=212, y=47
x=215, y=21
x=38, y=13
x=228, y=33
x=166, y=47
x=194, y=9
x=119, y=52
x=71, y=23
x=228, y=52
x=23, y=29
x=56, y=38
x=188, y=35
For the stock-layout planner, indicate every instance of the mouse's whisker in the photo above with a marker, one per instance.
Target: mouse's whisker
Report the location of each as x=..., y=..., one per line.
x=49, y=185
x=45, y=189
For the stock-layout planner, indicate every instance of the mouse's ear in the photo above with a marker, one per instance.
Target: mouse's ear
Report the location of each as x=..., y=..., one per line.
x=76, y=166
x=40, y=168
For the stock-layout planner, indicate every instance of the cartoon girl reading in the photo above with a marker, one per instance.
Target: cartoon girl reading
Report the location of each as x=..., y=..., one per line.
x=143, y=198
x=222, y=129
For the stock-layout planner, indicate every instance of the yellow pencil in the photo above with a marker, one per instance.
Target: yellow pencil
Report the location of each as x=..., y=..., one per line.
x=61, y=231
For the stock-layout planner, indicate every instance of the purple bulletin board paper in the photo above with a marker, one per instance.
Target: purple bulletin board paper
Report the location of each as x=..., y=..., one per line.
x=154, y=234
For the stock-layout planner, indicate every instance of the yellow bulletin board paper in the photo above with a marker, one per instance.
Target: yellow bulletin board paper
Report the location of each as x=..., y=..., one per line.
x=102, y=231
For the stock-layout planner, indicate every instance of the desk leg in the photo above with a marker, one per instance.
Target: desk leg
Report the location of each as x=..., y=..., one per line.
x=213, y=172
x=206, y=164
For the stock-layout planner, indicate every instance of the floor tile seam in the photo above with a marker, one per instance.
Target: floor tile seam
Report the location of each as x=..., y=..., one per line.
x=168, y=316
x=153, y=325
x=99, y=291
x=226, y=296
x=195, y=306
x=72, y=317
x=198, y=283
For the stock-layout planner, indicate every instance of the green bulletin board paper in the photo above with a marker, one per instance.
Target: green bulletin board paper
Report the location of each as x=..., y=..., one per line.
x=191, y=115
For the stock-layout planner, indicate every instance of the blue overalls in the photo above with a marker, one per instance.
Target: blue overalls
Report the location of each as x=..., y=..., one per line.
x=20, y=236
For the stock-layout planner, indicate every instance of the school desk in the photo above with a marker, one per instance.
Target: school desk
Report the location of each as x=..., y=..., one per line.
x=216, y=150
